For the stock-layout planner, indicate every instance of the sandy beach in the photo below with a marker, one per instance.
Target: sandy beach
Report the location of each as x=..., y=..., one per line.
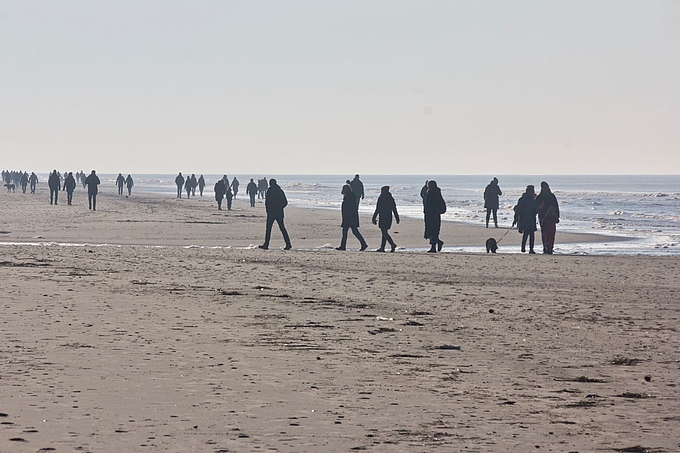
x=153, y=325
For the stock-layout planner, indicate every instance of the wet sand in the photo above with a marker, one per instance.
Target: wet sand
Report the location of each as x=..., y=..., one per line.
x=176, y=336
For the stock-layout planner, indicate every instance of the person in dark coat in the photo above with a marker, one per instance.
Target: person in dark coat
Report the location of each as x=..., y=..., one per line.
x=358, y=189
x=435, y=206
x=350, y=218
x=24, y=182
x=54, y=184
x=92, y=182
x=120, y=182
x=251, y=190
x=229, y=196
x=491, y=194
x=274, y=204
x=179, y=182
x=384, y=208
x=201, y=184
x=234, y=186
x=194, y=184
x=219, y=193
x=69, y=187
x=33, y=181
x=129, y=183
x=525, y=217
x=188, y=186
x=546, y=200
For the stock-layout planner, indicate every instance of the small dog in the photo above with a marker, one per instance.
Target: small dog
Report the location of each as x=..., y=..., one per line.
x=491, y=245
x=10, y=187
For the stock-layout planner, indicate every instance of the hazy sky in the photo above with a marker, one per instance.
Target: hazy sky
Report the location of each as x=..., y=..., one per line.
x=341, y=87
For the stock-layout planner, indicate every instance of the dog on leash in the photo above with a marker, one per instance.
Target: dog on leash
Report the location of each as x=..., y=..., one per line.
x=491, y=245
x=10, y=187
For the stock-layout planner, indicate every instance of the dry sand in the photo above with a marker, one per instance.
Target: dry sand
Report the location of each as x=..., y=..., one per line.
x=150, y=344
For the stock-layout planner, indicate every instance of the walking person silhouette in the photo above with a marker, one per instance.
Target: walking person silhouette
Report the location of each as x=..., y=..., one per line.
x=54, y=183
x=92, y=182
x=384, y=208
x=274, y=204
x=350, y=218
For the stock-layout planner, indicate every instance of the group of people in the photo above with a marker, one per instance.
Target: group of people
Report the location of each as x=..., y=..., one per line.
x=383, y=216
x=223, y=190
x=122, y=182
x=385, y=212
x=189, y=185
x=91, y=182
x=528, y=207
x=13, y=178
x=545, y=206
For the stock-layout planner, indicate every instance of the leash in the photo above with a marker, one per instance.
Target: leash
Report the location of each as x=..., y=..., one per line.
x=506, y=233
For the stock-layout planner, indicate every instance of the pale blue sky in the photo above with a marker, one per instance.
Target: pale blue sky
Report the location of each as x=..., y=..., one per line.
x=392, y=87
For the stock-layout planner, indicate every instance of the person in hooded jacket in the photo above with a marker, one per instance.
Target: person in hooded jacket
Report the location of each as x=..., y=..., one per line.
x=234, y=186
x=274, y=204
x=491, y=194
x=350, y=218
x=69, y=187
x=544, y=201
x=201, y=184
x=187, y=186
x=525, y=217
x=194, y=184
x=384, y=208
x=129, y=183
x=435, y=206
x=54, y=184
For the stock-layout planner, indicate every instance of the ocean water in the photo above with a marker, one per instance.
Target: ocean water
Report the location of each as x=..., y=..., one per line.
x=644, y=209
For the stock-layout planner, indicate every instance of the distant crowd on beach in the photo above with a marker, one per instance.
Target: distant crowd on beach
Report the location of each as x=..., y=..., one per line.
x=531, y=208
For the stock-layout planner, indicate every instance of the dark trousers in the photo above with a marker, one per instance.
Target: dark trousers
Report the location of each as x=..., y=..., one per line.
x=228, y=204
x=54, y=195
x=32, y=188
x=23, y=188
x=252, y=200
x=530, y=235
x=92, y=201
x=282, y=227
x=386, y=238
x=355, y=231
x=489, y=211
x=219, y=204
x=179, y=191
x=69, y=196
x=129, y=191
x=120, y=189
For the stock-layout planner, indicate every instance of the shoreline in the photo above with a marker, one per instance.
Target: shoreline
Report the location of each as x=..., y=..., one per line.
x=150, y=219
